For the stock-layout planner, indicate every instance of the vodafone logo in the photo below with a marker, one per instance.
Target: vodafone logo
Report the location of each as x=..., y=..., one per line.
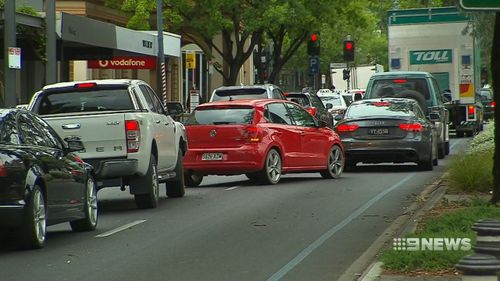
x=125, y=63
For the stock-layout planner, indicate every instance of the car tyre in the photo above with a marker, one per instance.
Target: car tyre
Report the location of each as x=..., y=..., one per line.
x=148, y=200
x=192, y=179
x=441, y=150
x=89, y=222
x=252, y=176
x=460, y=134
x=335, y=164
x=271, y=173
x=175, y=187
x=447, y=148
x=33, y=231
x=426, y=165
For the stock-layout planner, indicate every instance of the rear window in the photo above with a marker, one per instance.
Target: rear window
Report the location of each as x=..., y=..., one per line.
x=395, y=86
x=300, y=99
x=85, y=101
x=379, y=108
x=333, y=100
x=486, y=95
x=221, y=115
x=234, y=94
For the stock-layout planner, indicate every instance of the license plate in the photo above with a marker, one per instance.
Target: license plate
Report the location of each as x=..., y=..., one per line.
x=211, y=156
x=378, y=131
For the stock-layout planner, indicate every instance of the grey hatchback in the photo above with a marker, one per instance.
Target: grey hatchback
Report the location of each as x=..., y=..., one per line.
x=388, y=130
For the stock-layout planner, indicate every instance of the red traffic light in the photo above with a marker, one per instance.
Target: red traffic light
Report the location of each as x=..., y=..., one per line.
x=314, y=37
x=349, y=45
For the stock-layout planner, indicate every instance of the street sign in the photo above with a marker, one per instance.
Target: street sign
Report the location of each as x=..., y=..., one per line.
x=14, y=57
x=190, y=60
x=337, y=65
x=489, y=5
x=313, y=65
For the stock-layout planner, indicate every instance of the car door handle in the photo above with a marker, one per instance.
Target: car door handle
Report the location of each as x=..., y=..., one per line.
x=167, y=123
x=157, y=121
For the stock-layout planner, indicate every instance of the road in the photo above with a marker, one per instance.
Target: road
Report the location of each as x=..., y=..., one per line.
x=305, y=228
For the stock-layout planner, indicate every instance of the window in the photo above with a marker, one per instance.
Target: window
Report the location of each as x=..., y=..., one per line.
x=30, y=132
x=221, y=115
x=382, y=108
x=156, y=101
x=418, y=111
x=98, y=99
x=277, y=113
x=277, y=94
x=51, y=137
x=149, y=101
x=300, y=116
x=316, y=102
x=8, y=130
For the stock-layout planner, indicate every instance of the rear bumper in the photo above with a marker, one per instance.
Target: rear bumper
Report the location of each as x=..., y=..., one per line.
x=11, y=215
x=396, y=151
x=114, y=168
x=234, y=161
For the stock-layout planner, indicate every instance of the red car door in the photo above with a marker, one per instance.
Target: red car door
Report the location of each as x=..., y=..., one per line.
x=314, y=141
x=284, y=132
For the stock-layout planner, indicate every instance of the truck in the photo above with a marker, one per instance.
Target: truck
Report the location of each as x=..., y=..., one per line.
x=129, y=137
x=359, y=75
x=434, y=40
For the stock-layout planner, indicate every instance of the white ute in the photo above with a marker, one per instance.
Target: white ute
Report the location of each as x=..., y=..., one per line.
x=129, y=137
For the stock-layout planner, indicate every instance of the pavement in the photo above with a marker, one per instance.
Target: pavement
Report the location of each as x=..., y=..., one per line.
x=407, y=223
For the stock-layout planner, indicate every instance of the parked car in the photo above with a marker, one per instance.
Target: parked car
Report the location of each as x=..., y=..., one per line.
x=388, y=130
x=335, y=103
x=263, y=139
x=42, y=181
x=130, y=139
x=486, y=98
x=418, y=85
x=264, y=91
x=313, y=105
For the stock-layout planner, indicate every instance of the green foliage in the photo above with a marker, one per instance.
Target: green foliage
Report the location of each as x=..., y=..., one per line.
x=452, y=225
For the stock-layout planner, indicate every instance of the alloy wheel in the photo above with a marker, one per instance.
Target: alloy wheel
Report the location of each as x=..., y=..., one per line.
x=273, y=166
x=336, y=162
x=91, y=201
x=39, y=216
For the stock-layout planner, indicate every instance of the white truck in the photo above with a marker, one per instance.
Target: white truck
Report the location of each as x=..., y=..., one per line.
x=129, y=138
x=433, y=40
x=359, y=75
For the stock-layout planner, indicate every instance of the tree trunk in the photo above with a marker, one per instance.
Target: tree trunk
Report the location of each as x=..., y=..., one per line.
x=495, y=71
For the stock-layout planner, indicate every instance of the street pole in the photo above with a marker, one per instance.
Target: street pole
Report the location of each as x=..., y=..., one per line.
x=160, y=68
x=50, y=48
x=10, y=92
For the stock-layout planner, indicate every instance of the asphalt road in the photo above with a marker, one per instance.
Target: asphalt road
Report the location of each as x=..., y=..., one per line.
x=305, y=228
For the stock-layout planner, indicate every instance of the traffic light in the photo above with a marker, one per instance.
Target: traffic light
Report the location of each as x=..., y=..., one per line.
x=348, y=50
x=313, y=45
x=346, y=74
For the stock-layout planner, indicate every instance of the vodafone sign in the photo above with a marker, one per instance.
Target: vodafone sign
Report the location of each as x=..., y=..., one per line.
x=124, y=63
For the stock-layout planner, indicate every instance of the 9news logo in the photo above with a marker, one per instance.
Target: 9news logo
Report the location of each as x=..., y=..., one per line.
x=431, y=244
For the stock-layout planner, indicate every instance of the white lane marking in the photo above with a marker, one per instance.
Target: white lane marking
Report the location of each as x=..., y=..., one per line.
x=327, y=235
x=232, y=188
x=121, y=228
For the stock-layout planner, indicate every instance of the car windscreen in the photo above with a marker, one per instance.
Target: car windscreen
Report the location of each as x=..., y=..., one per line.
x=225, y=94
x=333, y=100
x=221, y=115
x=299, y=99
x=398, y=86
x=486, y=95
x=379, y=109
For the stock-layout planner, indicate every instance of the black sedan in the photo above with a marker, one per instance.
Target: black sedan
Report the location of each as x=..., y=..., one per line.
x=388, y=130
x=41, y=181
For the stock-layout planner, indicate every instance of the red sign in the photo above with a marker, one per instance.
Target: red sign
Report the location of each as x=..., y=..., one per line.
x=124, y=63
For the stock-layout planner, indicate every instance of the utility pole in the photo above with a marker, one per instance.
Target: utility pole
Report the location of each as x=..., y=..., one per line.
x=10, y=92
x=160, y=68
x=50, y=48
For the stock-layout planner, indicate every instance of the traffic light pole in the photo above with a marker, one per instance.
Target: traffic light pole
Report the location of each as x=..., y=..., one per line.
x=348, y=81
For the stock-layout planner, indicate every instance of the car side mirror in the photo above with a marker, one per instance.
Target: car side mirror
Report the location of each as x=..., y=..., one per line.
x=446, y=97
x=175, y=109
x=329, y=106
x=434, y=116
x=338, y=117
x=74, y=144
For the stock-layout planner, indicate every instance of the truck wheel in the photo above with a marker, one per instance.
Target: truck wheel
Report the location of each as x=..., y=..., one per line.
x=460, y=134
x=271, y=173
x=441, y=150
x=469, y=133
x=175, y=187
x=192, y=179
x=34, y=226
x=89, y=222
x=447, y=148
x=150, y=179
x=335, y=164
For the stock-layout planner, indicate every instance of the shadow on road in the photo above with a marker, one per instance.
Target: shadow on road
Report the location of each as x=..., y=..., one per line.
x=384, y=168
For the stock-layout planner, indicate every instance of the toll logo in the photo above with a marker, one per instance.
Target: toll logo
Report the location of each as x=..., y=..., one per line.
x=431, y=56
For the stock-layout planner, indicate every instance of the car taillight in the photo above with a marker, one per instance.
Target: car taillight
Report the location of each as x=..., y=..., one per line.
x=311, y=110
x=252, y=134
x=492, y=104
x=343, y=128
x=133, y=133
x=414, y=127
x=85, y=85
x=3, y=170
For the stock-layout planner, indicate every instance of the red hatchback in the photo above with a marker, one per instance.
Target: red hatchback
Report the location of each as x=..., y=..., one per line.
x=263, y=139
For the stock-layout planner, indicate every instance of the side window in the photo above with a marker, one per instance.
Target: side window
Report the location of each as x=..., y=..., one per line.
x=316, y=102
x=277, y=113
x=277, y=94
x=9, y=133
x=156, y=101
x=147, y=96
x=30, y=132
x=418, y=111
x=300, y=116
x=435, y=85
x=51, y=137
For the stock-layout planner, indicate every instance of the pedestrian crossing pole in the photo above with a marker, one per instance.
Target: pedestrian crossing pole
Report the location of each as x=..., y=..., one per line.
x=161, y=70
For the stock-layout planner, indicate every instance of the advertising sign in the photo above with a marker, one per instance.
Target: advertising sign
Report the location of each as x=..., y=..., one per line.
x=431, y=56
x=124, y=63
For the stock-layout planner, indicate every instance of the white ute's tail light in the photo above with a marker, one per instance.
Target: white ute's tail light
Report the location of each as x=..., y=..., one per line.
x=133, y=133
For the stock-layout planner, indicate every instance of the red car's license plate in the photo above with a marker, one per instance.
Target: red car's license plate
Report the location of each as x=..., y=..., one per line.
x=211, y=156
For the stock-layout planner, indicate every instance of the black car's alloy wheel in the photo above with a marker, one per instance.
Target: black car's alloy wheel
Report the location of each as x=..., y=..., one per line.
x=34, y=229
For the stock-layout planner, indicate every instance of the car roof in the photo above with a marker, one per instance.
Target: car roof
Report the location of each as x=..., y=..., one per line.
x=98, y=82
x=391, y=74
x=240, y=102
x=261, y=86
